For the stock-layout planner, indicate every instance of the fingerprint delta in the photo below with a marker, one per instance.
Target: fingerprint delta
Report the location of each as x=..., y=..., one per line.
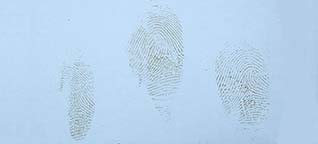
x=156, y=55
x=243, y=85
x=81, y=102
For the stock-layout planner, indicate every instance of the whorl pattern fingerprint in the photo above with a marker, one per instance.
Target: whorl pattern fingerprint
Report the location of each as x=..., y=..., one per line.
x=81, y=99
x=243, y=85
x=156, y=55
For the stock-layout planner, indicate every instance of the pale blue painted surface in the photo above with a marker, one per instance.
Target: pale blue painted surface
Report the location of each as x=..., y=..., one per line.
x=36, y=37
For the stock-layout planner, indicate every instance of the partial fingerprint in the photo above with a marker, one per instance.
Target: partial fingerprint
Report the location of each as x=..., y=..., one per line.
x=156, y=55
x=243, y=84
x=81, y=98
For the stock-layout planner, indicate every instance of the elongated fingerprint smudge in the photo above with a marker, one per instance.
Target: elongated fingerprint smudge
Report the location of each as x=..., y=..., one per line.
x=243, y=85
x=81, y=99
x=156, y=56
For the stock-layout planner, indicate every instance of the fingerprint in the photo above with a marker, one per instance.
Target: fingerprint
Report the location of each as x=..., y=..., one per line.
x=243, y=84
x=156, y=55
x=81, y=99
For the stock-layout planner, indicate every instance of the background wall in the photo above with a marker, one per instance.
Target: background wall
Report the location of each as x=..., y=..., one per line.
x=37, y=37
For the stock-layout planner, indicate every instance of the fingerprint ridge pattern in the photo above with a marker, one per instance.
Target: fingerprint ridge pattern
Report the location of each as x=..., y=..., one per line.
x=156, y=55
x=81, y=100
x=243, y=84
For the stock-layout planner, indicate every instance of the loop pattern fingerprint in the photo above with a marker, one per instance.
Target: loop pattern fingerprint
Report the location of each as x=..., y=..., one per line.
x=243, y=84
x=156, y=55
x=81, y=99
